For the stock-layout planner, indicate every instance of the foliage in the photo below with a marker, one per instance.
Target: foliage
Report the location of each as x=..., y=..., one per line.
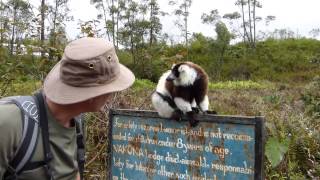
x=142, y=84
x=276, y=150
x=292, y=149
x=311, y=97
x=239, y=85
x=275, y=60
x=16, y=71
x=294, y=132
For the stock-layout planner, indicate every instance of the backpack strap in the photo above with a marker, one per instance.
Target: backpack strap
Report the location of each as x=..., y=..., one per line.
x=79, y=123
x=45, y=134
x=29, y=136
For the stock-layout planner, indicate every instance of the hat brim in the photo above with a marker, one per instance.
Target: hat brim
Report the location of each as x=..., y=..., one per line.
x=61, y=93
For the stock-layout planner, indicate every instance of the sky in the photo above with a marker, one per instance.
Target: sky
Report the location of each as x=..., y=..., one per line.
x=299, y=16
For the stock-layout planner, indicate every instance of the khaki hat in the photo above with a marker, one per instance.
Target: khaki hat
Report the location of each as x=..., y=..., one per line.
x=89, y=68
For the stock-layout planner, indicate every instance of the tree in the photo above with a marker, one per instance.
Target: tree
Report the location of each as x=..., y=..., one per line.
x=58, y=15
x=249, y=20
x=43, y=8
x=155, y=25
x=212, y=18
x=182, y=11
x=20, y=15
x=89, y=28
x=223, y=41
x=283, y=34
x=315, y=32
x=4, y=23
x=234, y=19
x=223, y=36
x=103, y=7
x=110, y=12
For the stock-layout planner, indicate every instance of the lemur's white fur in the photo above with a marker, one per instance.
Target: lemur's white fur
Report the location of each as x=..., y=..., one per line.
x=194, y=103
x=204, y=105
x=187, y=76
x=162, y=107
x=161, y=87
x=183, y=105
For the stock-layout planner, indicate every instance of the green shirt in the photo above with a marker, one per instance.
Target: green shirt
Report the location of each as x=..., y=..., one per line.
x=62, y=143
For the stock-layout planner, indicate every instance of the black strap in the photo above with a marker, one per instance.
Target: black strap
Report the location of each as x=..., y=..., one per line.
x=45, y=133
x=10, y=174
x=81, y=146
x=168, y=99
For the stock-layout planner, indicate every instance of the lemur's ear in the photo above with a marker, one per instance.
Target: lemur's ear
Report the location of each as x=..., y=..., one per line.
x=183, y=68
x=173, y=65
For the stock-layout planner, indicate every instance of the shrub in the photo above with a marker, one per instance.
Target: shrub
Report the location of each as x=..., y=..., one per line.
x=311, y=98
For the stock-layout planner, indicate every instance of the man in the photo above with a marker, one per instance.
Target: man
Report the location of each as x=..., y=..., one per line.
x=83, y=81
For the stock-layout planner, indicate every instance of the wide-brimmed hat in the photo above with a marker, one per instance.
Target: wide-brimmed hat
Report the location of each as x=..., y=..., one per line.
x=89, y=68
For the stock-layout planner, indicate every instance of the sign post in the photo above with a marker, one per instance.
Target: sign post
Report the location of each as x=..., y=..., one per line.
x=145, y=146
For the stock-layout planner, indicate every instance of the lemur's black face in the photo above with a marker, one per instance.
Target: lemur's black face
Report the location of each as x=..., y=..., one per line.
x=182, y=74
x=175, y=73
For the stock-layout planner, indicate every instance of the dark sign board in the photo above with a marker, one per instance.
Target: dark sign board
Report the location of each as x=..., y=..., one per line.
x=145, y=146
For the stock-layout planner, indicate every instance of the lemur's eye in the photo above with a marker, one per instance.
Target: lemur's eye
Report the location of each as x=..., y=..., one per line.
x=175, y=73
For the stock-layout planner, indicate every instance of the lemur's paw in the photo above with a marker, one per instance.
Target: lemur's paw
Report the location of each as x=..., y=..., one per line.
x=192, y=119
x=177, y=115
x=210, y=112
x=196, y=110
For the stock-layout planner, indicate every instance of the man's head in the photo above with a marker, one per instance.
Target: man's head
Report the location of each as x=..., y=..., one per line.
x=89, y=69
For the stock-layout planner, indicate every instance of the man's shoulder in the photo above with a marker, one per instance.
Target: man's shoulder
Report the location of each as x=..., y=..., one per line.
x=10, y=121
x=10, y=133
x=10, y=115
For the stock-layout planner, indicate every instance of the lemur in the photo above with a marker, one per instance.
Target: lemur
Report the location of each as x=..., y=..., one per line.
x=182, y=90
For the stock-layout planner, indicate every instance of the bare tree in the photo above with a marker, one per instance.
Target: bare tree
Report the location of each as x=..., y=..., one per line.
x=4, y=22
x=42, y=37
x=249, y=20
x=21, y=14
x=315, y=32
x=182, y=11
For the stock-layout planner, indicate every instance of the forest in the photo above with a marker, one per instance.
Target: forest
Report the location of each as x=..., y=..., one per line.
x=275, y=74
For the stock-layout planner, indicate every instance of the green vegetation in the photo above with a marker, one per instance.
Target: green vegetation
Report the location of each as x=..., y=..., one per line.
x=239, y=85
x=292, y=60
x=292, y=114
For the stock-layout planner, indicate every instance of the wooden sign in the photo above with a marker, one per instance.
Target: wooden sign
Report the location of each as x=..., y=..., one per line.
x=145, y=146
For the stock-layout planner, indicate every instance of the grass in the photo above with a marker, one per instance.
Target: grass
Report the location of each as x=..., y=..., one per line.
x=239, y=85
x=142, y=84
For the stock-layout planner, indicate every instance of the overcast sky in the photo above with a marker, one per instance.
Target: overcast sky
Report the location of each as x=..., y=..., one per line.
x=299, y=16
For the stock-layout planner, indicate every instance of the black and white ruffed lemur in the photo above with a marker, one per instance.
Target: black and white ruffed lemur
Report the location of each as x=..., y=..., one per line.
x=182, y=90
